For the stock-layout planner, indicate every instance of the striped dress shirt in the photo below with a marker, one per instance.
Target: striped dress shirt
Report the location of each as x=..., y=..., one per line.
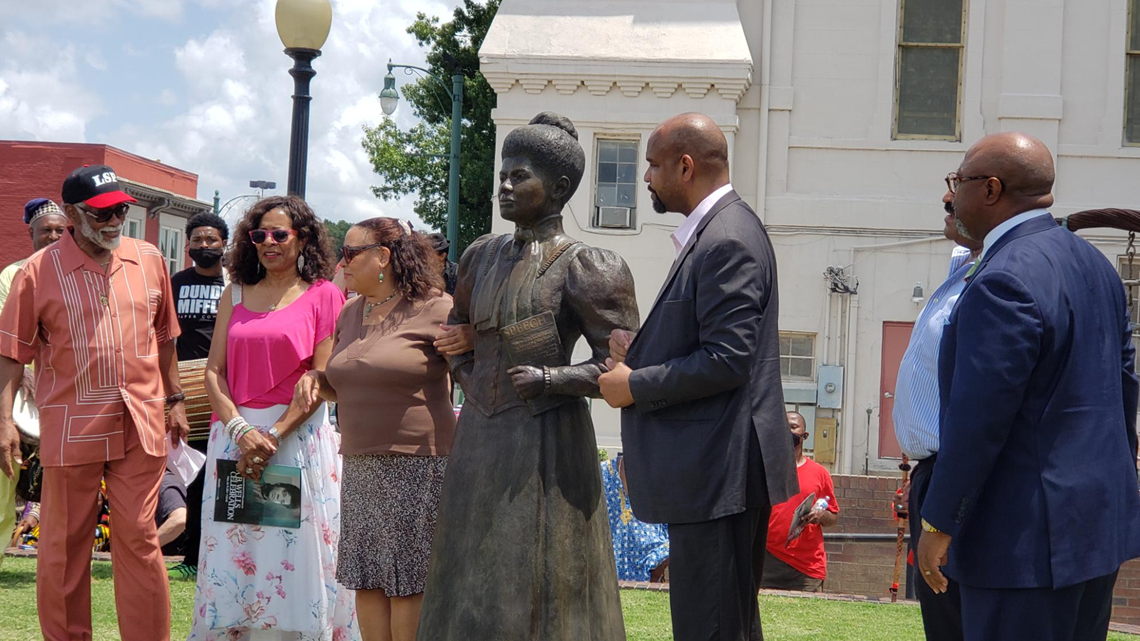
x=916, y=408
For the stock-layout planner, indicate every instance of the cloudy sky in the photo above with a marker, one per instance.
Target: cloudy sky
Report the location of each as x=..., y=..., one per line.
x=203, y=85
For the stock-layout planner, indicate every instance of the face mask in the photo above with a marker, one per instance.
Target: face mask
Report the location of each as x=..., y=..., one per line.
x=796, y=438
x=206, y=257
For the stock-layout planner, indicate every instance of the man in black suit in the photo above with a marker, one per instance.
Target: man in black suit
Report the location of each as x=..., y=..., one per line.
x=703, y=425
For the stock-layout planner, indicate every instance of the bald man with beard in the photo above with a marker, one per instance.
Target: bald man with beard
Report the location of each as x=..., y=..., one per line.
x=703, y=426
x=1032, y=504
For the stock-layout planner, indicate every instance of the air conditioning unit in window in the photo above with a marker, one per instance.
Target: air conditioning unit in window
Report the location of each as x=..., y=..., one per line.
x=615, y=217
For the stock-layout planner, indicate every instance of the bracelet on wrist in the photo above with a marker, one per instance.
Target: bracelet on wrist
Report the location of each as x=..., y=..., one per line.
x=546, y=378
x=175, y=398
x=927, y=527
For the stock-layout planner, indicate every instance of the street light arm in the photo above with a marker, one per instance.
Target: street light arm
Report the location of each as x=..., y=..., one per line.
x=409, y=69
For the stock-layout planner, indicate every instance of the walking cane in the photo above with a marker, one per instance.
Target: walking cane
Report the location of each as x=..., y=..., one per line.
x=901, y=516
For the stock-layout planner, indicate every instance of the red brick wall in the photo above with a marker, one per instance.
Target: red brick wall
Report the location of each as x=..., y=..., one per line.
x=863, y=568
x=36, y=170
x=866, y=568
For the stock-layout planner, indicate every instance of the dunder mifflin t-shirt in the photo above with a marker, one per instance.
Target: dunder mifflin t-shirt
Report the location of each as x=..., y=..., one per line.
x=196, y=301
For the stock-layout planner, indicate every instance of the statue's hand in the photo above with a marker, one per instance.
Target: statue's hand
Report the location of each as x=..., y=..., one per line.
x=528, y=381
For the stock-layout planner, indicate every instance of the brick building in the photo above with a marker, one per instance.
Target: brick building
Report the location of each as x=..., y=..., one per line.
x=167, y=196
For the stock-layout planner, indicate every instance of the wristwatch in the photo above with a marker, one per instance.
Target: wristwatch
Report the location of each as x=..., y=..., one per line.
x=272, y=431
x=175, y=398
x=927, y=527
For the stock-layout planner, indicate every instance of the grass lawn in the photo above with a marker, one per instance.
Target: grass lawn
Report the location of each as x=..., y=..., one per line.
x=646, y=613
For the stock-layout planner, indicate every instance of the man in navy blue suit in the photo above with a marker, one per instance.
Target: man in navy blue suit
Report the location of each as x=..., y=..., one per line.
x=1033, y=504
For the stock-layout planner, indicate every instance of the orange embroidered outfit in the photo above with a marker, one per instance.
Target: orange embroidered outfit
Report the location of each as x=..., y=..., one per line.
x=95, y=337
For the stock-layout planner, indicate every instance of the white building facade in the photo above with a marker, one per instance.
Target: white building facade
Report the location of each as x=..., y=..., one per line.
x=843, y=117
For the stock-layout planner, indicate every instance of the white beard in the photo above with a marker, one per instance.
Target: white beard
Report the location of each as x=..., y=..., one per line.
x=96, y=237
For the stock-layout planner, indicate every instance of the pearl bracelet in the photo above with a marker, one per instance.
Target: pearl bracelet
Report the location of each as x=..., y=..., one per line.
x=235, y=424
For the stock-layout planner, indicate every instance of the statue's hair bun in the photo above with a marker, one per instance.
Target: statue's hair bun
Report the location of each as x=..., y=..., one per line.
x=555, y=120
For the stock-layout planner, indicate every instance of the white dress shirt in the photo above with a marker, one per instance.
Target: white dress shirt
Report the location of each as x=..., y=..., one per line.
x=1001, y=230
x=685, y=230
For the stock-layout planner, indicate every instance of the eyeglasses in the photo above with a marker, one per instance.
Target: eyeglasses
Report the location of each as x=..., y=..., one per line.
x=105, y=215
x=352, y=251
x=259, y=236
x=953, y=180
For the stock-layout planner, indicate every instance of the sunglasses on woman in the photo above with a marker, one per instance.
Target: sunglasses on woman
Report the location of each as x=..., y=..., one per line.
x=352, y=251
x=259, y=236
x=104, y=215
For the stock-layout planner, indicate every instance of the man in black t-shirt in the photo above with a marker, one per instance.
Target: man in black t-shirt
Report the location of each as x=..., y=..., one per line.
x=196, y=293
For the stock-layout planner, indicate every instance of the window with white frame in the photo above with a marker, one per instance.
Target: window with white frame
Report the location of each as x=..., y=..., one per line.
x=170, y=244
x=928, y=83
x=615, y=185
x=797, y=356
x=1132, y=77
x=132, y=228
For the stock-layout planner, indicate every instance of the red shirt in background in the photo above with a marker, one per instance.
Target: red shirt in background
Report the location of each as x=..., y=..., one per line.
x=805, y=553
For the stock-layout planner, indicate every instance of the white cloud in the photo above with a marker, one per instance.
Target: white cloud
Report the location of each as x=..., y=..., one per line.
x=227, y=85
x=236, y=124
x=99, y=12
x=95, y=60
x=41, y=94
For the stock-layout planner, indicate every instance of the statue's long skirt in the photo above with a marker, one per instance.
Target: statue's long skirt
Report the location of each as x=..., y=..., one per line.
x=522, y=546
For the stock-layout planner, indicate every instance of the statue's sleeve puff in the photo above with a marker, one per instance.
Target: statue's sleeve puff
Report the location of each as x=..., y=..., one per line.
x=600, y=292
x=469, y=265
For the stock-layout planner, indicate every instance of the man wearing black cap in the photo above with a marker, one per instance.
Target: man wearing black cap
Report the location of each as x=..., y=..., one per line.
x=96, y=313
x=46, y=223
x=441, y=244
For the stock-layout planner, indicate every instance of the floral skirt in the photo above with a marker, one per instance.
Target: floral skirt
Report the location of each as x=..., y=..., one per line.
x=261, y=582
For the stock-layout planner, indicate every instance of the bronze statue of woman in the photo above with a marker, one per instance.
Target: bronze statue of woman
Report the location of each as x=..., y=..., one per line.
x=522, y=548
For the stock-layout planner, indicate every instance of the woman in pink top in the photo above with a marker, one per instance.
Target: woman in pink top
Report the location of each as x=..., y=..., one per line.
x=275, y=322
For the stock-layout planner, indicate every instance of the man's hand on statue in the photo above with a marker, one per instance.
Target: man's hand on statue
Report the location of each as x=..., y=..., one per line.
x=932, y=551
x=454, y=340
x=9, y=448
x=176, y=424
x=620, y=340
x=307, y=393
x=528, y=381
x=614, y=384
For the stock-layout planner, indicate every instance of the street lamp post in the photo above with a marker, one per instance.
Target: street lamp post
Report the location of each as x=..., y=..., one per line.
x=389, y=99
x=303, y=26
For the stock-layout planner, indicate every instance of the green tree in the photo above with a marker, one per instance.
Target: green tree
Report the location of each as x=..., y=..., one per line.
x=337, y=231
x=417, y=160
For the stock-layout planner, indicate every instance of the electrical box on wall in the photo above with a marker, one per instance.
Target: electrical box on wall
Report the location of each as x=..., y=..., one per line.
x=830, y=393
x=825, y=440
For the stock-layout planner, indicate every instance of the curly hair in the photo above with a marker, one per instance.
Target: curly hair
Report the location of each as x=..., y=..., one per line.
x=245, y=267
x=414, y=263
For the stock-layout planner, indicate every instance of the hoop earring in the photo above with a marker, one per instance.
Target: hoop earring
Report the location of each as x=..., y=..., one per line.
x=381, y=279
x=300, y=262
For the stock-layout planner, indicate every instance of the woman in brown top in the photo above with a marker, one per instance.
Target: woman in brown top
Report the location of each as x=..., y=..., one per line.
x=396, y=421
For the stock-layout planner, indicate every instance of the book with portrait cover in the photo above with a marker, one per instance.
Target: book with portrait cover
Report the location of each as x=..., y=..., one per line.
x=273, y=501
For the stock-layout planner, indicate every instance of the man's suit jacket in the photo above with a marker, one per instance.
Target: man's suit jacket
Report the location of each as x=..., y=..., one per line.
x=707, y=377
x=1036, y=471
